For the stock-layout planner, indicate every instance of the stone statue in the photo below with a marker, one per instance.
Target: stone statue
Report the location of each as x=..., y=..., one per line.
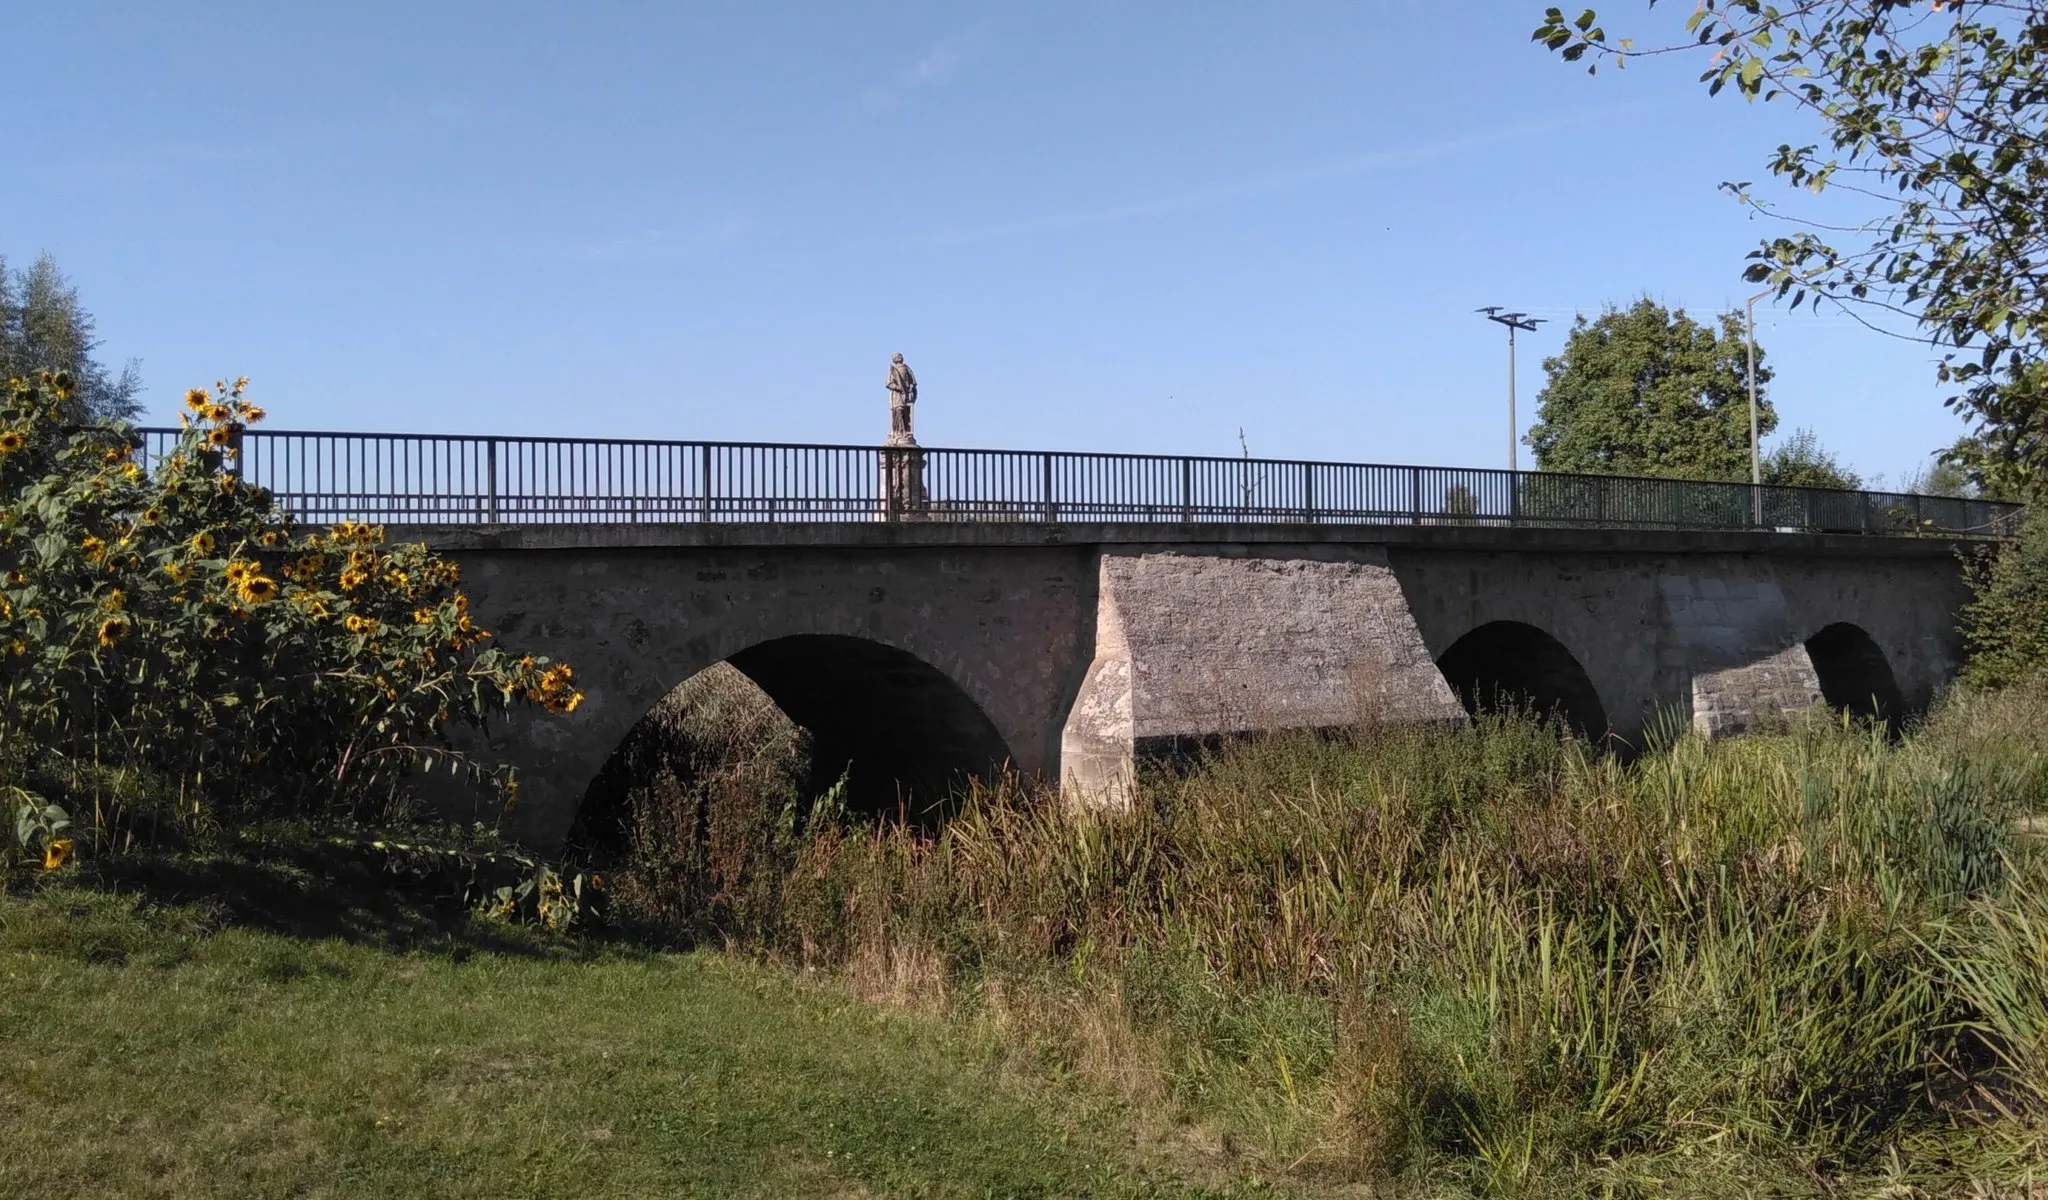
x=903, y=494
x=902, y=394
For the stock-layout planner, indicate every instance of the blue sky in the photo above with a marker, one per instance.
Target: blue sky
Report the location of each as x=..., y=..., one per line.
x=1110, y=226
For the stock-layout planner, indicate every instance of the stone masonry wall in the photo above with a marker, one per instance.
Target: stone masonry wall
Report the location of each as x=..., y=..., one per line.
x=1193, y=645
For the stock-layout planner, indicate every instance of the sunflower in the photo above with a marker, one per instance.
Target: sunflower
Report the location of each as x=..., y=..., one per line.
x=360, y=624
x=151, y=516
x=252, y=414
x=95, y=549
x=423, y=616
x=218, y=437
x=55, y=851
x=114, y=600
x=256, y=589
x=215, y=412
x=237, y=570
x=196, y=399
x=202, y=543
x=269, y=538
x=10, y=441
x=352, y=579
x=112, y=630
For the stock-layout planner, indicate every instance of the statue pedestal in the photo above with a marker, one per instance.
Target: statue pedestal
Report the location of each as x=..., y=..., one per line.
x=903, y=494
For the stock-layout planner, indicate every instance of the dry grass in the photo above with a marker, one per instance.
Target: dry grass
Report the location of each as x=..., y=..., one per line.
x=1488, y=959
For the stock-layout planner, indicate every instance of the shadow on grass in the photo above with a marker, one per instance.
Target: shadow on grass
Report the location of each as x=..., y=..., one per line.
x=315, y=890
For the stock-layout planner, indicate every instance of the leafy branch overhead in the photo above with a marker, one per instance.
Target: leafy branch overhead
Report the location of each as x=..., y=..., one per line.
x=1933, y=117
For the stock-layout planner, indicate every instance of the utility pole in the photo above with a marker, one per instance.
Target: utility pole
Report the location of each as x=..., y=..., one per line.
x=1514, y=321
x=1756, y=460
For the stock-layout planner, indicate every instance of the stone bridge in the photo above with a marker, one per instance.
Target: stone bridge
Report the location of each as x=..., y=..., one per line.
x=921, y=653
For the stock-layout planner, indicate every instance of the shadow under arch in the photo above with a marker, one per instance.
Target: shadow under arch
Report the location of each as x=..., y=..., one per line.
x=1509, y=665
x=1855, y=676
x=907, y=739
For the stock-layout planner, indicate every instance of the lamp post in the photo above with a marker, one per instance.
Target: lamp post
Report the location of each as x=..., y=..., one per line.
x=1756, y=461
x=1514, y=321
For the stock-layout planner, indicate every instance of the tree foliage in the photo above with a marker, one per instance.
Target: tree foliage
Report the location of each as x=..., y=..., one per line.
x=1649, y=391
x=1801, y=461
x=43, y=327
x=2006, y=624
x=166, y=632
x=1933, y=113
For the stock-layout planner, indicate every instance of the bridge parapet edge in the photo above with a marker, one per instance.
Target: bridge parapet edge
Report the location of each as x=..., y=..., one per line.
x=842, y=535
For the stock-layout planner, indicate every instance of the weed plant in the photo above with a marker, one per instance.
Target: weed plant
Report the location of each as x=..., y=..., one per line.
x=1486, y=958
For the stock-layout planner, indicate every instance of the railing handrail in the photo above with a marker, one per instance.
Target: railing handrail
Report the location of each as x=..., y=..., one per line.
x=1113, y=455
x=328, y=475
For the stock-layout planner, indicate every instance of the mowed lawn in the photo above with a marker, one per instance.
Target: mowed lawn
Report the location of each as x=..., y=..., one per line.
x=162, y=1051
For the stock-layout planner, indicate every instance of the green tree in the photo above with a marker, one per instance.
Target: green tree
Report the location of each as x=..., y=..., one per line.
x=1933, y=111
x=1650, y=391
x=43, y=327
x=1801, y=461
x=2006, y=625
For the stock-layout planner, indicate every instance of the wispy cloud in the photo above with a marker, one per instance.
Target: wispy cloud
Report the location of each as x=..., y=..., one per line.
x=936, y=67
x=1265, y=183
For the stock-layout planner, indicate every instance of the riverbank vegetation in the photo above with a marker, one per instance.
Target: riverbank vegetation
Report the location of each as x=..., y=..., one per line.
x=1461, y=960
x=178, y=656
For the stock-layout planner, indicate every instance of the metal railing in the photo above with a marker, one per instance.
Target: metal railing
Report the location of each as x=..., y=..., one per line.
x=405, y=478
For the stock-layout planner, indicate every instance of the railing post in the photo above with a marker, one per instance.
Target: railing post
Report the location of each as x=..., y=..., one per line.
x=491, y=480
x=1187, y=489
x=1415, y=495
x=1051, y=510
x=704, y=465
x=1308, y=492
x=1514, y=497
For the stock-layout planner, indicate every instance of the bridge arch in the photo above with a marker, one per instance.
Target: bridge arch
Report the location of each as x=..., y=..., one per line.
x=1512, y=664
x=1854, y=674
x=905, y=736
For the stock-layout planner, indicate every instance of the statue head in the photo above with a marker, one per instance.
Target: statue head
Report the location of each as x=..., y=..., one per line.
x=896, y=358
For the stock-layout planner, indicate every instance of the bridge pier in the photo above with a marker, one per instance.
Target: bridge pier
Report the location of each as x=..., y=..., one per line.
x=1193, y=646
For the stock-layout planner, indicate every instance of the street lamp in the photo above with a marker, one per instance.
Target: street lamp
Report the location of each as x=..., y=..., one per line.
x=1514, y=321
x=1756, y=461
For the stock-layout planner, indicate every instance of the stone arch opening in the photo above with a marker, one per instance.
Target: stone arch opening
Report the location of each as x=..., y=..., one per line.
x=906, y=737
x=808, y=710
x=1512, y=666
x=1854, y=674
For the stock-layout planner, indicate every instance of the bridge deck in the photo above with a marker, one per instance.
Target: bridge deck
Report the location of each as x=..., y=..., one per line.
x=880, y=535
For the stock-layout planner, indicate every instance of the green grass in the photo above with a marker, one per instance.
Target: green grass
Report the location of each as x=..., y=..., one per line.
x=169, y=1050
x=1476, y=961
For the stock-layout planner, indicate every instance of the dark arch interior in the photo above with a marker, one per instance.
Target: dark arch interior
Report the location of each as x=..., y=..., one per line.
x=1507, y=665
x=1855, y=675
x=906, y=738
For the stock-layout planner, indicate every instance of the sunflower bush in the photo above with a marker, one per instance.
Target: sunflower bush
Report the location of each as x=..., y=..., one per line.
x=176, y=652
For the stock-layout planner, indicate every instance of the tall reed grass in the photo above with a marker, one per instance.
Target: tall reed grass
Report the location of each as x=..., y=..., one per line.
x=1485, y=957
